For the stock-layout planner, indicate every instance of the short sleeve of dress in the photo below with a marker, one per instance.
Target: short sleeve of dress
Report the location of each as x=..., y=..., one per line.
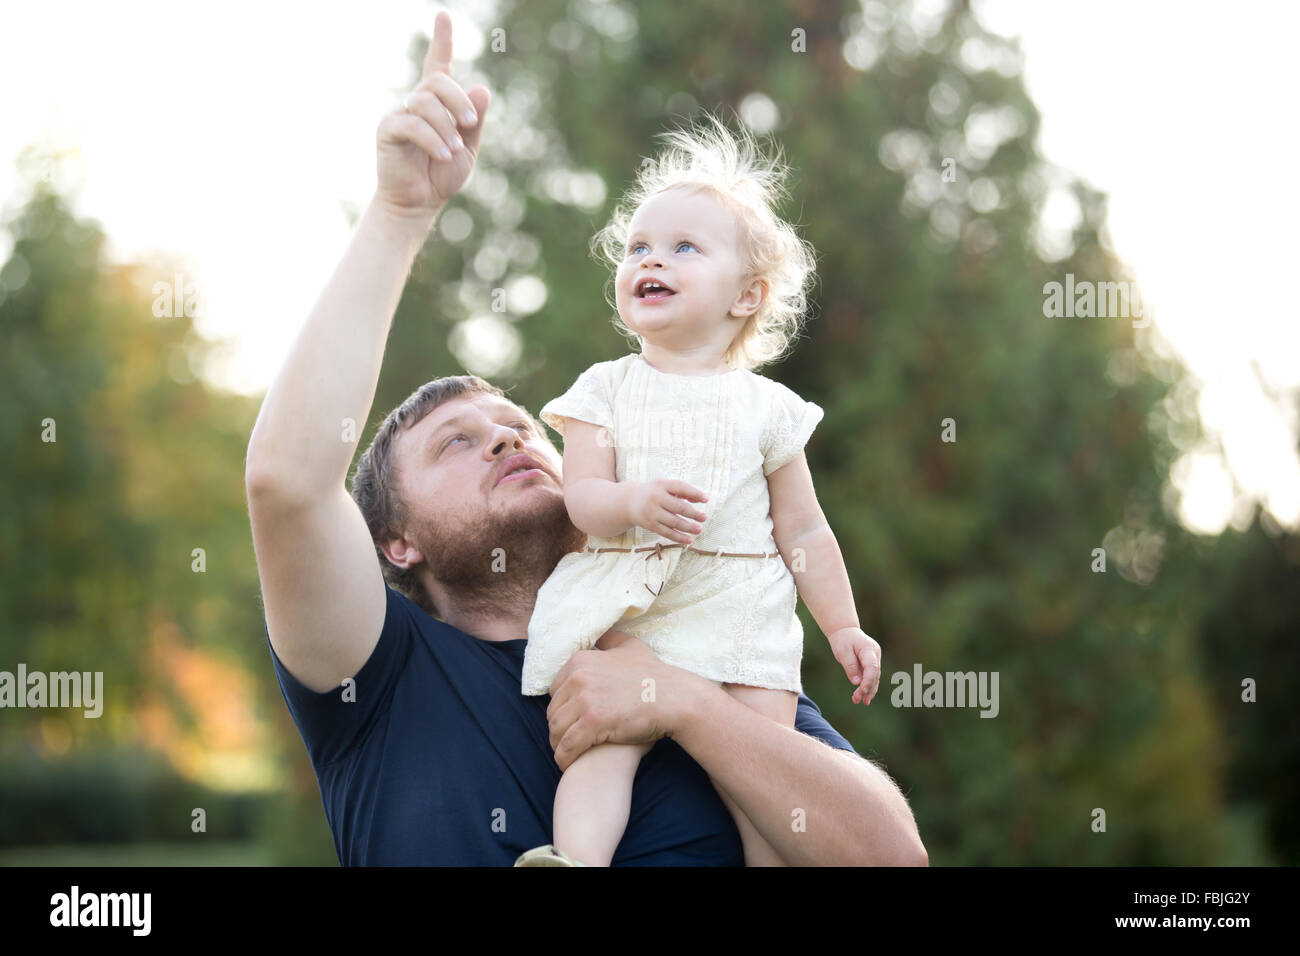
x=589, y=399
x=790, y=423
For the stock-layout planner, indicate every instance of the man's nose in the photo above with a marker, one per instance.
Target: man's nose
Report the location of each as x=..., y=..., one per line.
x=506, y=442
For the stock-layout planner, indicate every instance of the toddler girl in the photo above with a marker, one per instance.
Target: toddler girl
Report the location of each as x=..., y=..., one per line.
x=686, y=470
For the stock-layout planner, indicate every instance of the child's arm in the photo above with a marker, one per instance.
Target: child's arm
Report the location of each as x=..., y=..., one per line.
x=601, y=505
x=799, y=524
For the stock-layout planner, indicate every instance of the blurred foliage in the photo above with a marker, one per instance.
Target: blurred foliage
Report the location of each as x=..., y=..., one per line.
x=98, y=571
x=113, y=796
x=1119, y=690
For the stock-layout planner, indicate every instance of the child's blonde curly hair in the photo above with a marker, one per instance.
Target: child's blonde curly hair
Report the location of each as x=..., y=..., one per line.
x=734, y=169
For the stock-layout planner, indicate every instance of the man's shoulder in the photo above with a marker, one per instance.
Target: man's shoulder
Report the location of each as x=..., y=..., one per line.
x=413, y=614
x=334, y=721
x=436, y=637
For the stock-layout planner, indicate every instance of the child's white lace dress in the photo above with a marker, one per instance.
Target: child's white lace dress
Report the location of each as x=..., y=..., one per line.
x=729, y=619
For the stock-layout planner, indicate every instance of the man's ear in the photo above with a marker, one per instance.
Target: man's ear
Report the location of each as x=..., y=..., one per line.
x=401, y=553
x=749, y=300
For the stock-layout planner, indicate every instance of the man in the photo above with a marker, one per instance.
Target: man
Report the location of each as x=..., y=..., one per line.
x=425, y=750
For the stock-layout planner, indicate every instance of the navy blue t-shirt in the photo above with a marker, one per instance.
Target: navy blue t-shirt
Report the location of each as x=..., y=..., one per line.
x=442, y=761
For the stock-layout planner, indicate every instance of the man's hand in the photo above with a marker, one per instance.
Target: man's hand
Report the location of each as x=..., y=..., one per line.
x=427, y=147
x=601, y=696
x=663, y=506
x=859, y=655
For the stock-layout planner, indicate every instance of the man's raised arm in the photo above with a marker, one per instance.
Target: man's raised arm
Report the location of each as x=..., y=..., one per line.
x=321, y=582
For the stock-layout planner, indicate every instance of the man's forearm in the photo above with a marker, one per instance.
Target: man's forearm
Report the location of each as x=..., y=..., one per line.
x=816, y=806
x=298, y=446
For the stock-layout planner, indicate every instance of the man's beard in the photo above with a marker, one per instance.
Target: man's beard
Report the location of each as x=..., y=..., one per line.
x=500, y=559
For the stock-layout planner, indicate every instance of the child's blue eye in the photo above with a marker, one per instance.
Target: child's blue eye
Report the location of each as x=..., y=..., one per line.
x=684, y=242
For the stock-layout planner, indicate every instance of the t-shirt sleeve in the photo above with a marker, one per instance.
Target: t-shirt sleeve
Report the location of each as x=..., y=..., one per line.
x=790, y=423
x=589, y=399
x=808, y=720
x=333, y=722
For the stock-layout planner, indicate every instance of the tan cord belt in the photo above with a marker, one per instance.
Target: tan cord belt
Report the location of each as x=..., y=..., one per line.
x=658, y=549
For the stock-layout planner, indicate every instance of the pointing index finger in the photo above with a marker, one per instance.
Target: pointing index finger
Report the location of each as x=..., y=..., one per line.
x=438, y=59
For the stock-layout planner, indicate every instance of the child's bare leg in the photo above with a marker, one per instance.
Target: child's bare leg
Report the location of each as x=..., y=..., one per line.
x=593, y=800
x=781, y=706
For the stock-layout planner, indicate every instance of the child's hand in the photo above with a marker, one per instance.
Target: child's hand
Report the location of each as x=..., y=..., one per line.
x=663, y=506
x=859, y=655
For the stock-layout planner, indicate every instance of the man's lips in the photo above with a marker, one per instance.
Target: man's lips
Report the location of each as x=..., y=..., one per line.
x=518, y=468
x=521, y=475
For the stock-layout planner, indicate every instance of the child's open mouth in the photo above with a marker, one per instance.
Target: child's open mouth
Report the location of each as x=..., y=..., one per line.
x=653, y=289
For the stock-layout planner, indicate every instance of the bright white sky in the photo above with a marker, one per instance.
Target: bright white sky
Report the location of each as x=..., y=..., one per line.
x=229, y=134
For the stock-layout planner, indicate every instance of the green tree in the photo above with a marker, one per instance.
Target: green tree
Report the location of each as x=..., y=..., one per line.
x=125, y=546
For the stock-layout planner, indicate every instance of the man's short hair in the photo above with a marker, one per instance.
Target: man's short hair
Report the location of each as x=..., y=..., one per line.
x=374, y=483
